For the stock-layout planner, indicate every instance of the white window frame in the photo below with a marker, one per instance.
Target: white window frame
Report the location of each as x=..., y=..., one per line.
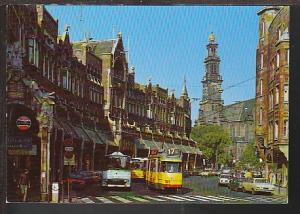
x=260, y=116
x=261, y=87
x=288, y=56
x=286, y=128
x=261, y=61
x=277, y=59
x=277, y=95
x=286, y=93
x=276, y=134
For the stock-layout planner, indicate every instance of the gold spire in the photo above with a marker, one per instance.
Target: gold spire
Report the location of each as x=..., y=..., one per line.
x=212, y=37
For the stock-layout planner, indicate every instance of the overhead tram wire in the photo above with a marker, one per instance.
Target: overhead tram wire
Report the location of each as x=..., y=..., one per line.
x=231, y=86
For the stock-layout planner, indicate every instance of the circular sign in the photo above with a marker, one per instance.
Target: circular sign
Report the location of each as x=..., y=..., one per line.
x=23, y=123
x=68, y=148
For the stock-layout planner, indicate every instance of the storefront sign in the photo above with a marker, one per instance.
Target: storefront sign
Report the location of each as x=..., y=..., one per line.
x=23, y=123
x=21, y=142
x=20, y=151
x=153, y=152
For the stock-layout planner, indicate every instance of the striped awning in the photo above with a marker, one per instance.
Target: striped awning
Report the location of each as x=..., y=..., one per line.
x=93, y=136
x=146, y=144
x=106, y=138
x=63, y=124
x=80, y=133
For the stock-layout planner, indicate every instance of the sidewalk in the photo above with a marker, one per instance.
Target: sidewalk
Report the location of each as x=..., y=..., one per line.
x=281, y=191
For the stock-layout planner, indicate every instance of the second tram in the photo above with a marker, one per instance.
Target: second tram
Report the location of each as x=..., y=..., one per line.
x=138, y=168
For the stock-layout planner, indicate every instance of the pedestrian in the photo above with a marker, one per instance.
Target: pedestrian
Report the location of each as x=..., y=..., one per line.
x=24, y=184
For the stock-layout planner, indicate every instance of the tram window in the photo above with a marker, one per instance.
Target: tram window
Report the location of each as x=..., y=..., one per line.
x=170, y=167
x=137, y=165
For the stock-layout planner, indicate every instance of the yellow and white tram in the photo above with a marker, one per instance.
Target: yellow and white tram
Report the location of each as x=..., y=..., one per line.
x=138, y=168
x=164, y=171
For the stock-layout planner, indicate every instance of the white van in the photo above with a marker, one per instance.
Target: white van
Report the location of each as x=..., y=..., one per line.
x=117, y=171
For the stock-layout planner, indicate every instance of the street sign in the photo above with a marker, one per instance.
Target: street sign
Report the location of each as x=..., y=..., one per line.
x=153, y=152
x=23, y=123
x=69, y=161
x=68, y=148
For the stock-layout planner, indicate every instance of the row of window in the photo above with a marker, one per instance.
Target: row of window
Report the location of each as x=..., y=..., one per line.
x=64, y=78
x=275, y=63
x=140, y=110
x=275, y=94
x=95, y=95
x=274, y=130
x=136, y=109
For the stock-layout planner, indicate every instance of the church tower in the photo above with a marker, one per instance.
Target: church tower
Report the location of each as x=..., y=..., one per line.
x=186, y=106
x=210, y=111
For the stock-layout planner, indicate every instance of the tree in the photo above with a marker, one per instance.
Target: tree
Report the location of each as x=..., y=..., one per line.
x=249, y=157
x=213, y=141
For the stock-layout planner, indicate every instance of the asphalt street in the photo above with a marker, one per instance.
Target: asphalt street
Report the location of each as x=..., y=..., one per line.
x=196, y=189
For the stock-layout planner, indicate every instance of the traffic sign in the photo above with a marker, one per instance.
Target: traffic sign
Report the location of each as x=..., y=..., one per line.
x=68, y=148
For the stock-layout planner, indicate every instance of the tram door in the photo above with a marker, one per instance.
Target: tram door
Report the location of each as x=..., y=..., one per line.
x=153, y=170
x=159, y=174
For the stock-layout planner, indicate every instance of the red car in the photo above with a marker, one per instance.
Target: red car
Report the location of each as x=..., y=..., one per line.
x=79, y=180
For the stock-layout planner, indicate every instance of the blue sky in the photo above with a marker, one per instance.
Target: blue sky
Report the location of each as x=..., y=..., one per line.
x=168, y=42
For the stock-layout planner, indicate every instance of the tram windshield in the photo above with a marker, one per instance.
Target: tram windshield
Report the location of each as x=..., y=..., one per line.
x=117, y=162
x=170, y=167
x=137, y=165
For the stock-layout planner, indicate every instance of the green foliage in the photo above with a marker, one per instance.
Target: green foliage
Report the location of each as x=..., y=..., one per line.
x=213, y=140
x=249, y=157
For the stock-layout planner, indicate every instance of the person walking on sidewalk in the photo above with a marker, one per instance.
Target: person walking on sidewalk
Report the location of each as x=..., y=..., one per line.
x=24, y=184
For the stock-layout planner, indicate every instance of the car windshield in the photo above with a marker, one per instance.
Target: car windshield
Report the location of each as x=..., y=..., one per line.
x=260, y=181
x=170, y=167
x=117, y=162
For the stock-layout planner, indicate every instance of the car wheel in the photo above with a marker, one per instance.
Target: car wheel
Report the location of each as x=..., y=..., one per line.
x=253, y=192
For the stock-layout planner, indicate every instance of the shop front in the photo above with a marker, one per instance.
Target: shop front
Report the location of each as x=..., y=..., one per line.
x=23, y=150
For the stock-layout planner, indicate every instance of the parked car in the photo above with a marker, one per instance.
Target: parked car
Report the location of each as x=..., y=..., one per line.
x=197, y=171
x=257, y=174
x=214, y=173
x=256, y=185
x=206, y=173
x=236, y=184
x=224, y=179
x=80, y=179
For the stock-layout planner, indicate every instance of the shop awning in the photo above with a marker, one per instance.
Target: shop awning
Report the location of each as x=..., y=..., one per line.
x=80, y=133
x=62, y=124
x=170, y=146
x=146, y=144
x=94, y=137
x=106, y=138
x=190, y=150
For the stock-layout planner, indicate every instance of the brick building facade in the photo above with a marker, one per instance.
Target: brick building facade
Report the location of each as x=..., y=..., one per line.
x=272, y=91
x=81, y=92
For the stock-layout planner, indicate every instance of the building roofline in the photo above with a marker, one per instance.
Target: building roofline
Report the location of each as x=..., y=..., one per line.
x=268, y=8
